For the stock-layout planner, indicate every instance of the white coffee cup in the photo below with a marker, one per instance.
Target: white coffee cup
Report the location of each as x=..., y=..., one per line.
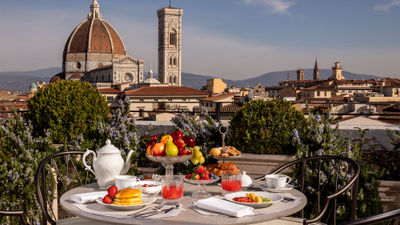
x=125, y=181
x=277, y=180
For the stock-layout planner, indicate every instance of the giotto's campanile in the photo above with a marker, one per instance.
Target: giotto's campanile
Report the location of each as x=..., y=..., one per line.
x=170, y=45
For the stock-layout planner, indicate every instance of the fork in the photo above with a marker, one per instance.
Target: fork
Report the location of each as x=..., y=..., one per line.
x=154, y=208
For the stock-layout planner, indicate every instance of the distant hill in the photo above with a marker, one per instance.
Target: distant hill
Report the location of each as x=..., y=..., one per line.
x=21, y=80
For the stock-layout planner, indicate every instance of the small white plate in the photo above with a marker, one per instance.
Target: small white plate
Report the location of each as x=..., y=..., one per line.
x=146, y=200
x=275, y=197
x=288, y=187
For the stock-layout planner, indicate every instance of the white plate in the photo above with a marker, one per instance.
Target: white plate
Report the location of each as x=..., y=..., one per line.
x=275, y=197
x=148, y=190
x=288, y=187
x=146, y=200
x=202, y=181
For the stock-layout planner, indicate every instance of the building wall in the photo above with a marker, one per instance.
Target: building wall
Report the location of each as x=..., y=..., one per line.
x=216, y=85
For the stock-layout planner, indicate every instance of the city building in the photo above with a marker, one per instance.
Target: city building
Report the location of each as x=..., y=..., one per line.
x=215, y=86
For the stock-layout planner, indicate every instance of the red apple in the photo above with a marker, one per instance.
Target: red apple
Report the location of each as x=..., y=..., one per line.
x=189, y=141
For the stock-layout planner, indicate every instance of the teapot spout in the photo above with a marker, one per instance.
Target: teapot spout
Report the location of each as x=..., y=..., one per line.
x=127, y=164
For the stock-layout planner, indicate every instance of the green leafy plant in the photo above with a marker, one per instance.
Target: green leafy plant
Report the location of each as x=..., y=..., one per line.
x=265, y=127
x=323, y=138
x=66, y=109
x=19, y=158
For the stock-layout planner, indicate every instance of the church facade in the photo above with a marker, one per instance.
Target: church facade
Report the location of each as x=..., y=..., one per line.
x=94, y=52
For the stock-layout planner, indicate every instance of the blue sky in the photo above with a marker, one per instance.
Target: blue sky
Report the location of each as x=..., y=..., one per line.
x=233, y=39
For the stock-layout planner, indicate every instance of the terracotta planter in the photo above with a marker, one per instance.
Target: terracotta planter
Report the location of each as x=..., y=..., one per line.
x=259, y=165
x=389, y=191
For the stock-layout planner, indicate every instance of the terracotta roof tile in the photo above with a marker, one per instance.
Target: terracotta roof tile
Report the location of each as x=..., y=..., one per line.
x=219, y=97
x=110, y=91
x=166, y=91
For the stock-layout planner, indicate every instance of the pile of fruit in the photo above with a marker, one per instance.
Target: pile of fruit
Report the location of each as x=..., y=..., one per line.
x=198, y=157
x=252, y=198
x=225, y=151
x=224, y=166
x=170, y=145
x=199, y=173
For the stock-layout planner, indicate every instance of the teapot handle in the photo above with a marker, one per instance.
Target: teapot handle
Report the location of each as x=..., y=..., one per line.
x=87, y=167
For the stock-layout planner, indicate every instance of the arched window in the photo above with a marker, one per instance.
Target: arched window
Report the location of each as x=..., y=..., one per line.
x=172, y=37
x=78, y=65
x=175, y=61
x=170, y=79
x=175, y=80
x=170, y=60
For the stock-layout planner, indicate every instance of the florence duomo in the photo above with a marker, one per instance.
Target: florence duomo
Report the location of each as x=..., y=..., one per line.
x=95, y=52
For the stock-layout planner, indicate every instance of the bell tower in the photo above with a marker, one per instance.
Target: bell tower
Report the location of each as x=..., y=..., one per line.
x=170, y=45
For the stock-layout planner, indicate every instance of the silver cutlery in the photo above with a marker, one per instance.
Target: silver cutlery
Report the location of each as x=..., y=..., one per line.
x=154, y=208
x=152, y=213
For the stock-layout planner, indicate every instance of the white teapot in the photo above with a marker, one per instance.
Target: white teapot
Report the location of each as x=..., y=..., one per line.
x=107, y=164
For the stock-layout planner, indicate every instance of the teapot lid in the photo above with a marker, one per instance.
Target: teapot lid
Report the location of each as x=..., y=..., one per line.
x=108, y=148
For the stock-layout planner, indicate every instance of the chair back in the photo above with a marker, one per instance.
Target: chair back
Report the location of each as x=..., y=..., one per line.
x=19, y=214
x=325, y=180
x=56, y=174
x=388, y=218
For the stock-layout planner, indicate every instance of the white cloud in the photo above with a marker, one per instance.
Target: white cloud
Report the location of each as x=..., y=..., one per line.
x=274, y=6
x=388, y=6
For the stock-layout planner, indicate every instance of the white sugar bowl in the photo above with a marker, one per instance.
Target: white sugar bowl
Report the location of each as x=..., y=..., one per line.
x=246, y=180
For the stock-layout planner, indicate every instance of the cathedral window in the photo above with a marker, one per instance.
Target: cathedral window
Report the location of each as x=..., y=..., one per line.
x=172, y=37
x=174, y=79
x=170, y=60
x=170, y=79
x=175, y=61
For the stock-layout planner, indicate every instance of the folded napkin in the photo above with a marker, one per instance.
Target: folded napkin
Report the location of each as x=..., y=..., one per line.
x=88, y=197
x=224, y=207
x=97, y=209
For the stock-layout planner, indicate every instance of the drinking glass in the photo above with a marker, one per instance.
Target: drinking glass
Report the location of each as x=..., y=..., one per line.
x=172, y=189
x=231, y=181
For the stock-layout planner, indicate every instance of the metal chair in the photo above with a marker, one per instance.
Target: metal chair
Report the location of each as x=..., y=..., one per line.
x=19, y=214
x=388, y=218
x=332, y=177
x=60, y=172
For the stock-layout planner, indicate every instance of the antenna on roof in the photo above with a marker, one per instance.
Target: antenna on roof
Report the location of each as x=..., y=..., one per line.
x=169, y=3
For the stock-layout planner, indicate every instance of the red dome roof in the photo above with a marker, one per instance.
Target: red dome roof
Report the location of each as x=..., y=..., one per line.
x=94, y=36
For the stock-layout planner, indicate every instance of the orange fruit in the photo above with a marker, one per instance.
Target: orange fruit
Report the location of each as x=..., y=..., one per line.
x=166, y=138
x=148, y=150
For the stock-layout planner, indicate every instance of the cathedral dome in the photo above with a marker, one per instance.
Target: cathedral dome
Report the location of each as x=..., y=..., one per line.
x=94, y=35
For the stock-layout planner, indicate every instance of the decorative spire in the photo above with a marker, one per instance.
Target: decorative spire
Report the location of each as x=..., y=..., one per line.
x=150, y=72
x=94, y=10
x=316, y=71
x=288, y=76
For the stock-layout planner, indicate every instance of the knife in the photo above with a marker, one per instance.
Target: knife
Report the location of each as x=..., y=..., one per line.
x=152, y=213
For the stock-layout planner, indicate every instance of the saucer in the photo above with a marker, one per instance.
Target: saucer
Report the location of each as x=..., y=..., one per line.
x=288, y=187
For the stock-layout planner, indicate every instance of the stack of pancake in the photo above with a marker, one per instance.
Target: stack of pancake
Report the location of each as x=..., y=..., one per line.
x=128, y=196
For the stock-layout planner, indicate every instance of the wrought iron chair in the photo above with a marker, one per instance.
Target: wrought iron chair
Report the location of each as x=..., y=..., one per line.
x=332, y=176
x=19, y=214
x=388, y=218
x=65, y=168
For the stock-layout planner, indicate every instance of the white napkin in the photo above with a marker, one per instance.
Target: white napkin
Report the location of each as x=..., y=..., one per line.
x=88, y=197
x=99, y=212
x=224, y=207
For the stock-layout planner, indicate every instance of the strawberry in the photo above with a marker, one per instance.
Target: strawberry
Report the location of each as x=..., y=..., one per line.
x=112, y=191
x=188, y=176
x=195, y=176
x=200, y=169
x=107, y=199
x=207, y=177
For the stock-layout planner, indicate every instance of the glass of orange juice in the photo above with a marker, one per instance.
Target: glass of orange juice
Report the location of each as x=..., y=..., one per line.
x=231, y=181
x=172, y=189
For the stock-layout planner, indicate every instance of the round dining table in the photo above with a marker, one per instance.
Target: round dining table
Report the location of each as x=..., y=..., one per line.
x=188, y=215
